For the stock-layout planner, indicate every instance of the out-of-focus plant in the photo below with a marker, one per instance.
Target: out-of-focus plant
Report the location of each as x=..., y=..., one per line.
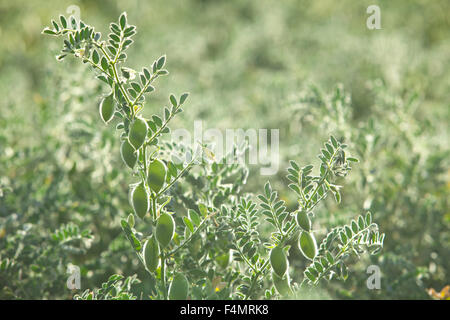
x=114, y=289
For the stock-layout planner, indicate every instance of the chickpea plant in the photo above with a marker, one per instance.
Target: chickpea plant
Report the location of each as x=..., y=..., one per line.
x=216, y=249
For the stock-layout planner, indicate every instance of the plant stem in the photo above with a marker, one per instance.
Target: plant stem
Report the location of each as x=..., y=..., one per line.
x=341, y=252
x=166, y=122
x=191, y=236
x=153, y=77
x=154, y=209
x=246, y=260
x=250, y=291
x=176, y=178
x=319, y=184
x=163, y=274
x=116, y=76
x=144, y=151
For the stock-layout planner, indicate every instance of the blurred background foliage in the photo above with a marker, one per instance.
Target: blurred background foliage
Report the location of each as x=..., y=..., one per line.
x=307, y=68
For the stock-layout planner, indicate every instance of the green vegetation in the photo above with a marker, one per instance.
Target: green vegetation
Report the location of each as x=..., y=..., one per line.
x=87, y=174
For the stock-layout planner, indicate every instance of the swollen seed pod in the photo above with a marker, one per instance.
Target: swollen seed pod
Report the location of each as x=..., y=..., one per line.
x=278, y=261
x=106, y=108
x=179, y=287
x=140, y=200
x=165, y=228
x=303, y=220
x=137, y=133
x=308, y=245
x=128, y=154
x=156, y=175
x=281, y=284
x=151, y=254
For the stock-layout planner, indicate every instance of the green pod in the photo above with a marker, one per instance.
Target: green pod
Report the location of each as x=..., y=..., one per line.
x=156, y=175
x=128, y=154
x=278, y=261
x=138, y=132
x=165, y=228
x=140, y=200
x=303, y=220
x=106, y=108
x=308, y=245
x=179, y=287
x=151, y=254
x=281, y=284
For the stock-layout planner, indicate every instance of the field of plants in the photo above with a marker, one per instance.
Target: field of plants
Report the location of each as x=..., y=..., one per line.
x=98, y=200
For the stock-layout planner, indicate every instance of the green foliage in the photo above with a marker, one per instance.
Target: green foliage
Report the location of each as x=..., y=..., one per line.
x=340, y=243
x=251, y=68
x=114, y=289
x=247, y=246
x=35, y=258
x=396, y=160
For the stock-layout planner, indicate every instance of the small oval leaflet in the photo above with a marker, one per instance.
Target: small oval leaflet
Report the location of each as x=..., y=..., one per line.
x=130, y=220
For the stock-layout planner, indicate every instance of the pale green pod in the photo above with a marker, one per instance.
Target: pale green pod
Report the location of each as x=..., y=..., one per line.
x=107, y=108
x=156, y=175
x=165, y=229
x=179, y=287
x=278, y=261
x=128, y=154
x=151, y=254
x=307, y=245
x=282, y=284
x=303, y=220
x=140, y=200
x=138, y=132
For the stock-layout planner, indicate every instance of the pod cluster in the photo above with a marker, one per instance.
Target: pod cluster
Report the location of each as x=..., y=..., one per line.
x=306, y=240
x=140, y=194
x=165, y=230
x=280, y=266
